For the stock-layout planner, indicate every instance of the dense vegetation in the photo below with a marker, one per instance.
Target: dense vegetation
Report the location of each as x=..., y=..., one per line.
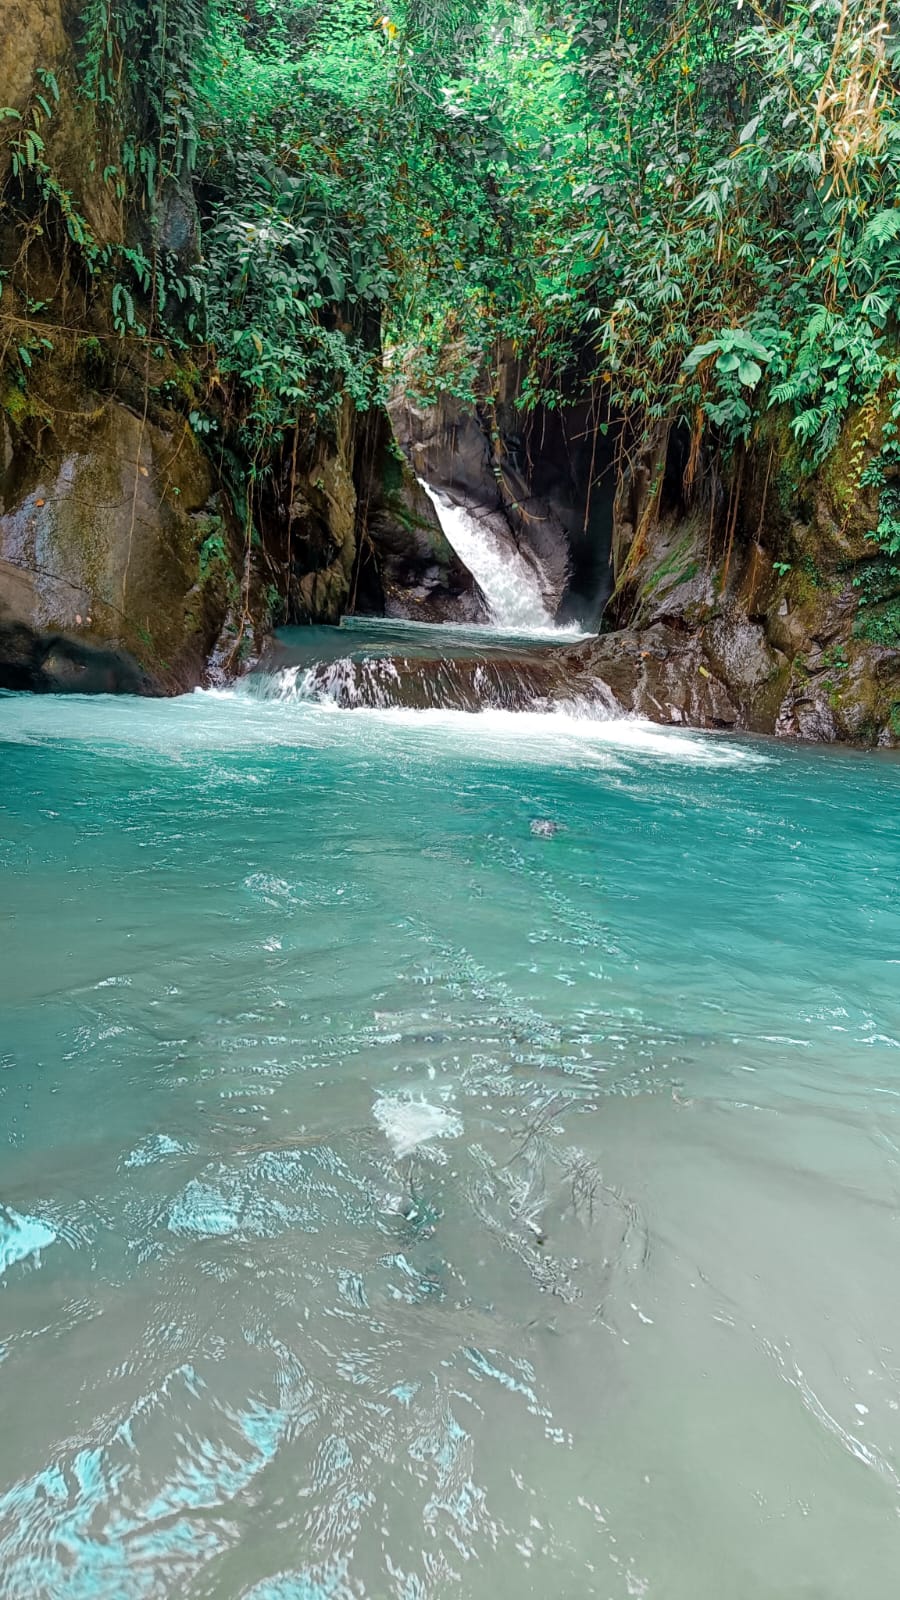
x=689, y=208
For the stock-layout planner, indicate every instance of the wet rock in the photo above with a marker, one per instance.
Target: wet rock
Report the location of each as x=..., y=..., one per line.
x=806, y=714
x=657, y=673
x=762, y=632
x=420, y=575
x=359, y=536
x=543, y=827
x=844, y=692
x=739, y=654
x=513, y=684
x=115, y=557
x=451, y=447
x=51, y=663
x=320, y=517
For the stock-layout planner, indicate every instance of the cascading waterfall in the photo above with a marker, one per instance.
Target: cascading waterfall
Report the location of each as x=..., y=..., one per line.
x=510, y=584
x=382, y=665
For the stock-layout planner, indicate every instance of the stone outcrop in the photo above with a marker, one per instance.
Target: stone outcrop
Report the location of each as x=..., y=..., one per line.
x=452, y=448
x=544, y=478
x=117, y=562
x=420, y=577
x=362, y=536
x=122, y=566
x=748, y=613
x=347, y=529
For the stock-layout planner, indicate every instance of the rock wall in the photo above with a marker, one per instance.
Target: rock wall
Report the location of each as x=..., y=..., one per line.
x=734, y=593
x=120, y=566
x=353, y=532
x=123, y=567
x=452, y=448
x=418, y=575
x=136, y=554
x=744, y=609
x=117, y=561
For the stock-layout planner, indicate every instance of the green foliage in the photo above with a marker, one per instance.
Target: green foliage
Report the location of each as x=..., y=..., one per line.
x=879, y=622
x=693, y=209
x=877, y=581
x=213, y=553
x=705, y=199
x=834, y=659
x=887, y=533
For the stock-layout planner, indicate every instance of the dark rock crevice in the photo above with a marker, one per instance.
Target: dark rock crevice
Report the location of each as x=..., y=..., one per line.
x=348, y=530
x=544, y=479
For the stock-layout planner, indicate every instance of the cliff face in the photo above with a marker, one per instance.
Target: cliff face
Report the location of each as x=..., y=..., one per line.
x=347, y=528
x=528, y=477
x=123, y=566
x=751, y=595
x=115, y=567
x=767, y=603
x=120, y=564
x=137, y=550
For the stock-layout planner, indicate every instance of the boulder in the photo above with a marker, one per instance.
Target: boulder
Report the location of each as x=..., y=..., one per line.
x=116, y=563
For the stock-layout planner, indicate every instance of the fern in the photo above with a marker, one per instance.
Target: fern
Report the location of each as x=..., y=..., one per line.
x=881, y=229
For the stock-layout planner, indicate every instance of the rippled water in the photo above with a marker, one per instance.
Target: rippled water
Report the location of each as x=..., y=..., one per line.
x=444, y=1155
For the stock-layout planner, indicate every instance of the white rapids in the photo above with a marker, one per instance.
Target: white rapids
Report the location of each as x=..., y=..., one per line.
x=511, y=585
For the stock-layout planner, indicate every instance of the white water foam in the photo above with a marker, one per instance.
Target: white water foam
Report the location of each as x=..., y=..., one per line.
x=542, y=732
x=338, y=683
x=409, y=1124
x=510, y=584
x=576, y=725
x=21, y=1237
x=232, y=719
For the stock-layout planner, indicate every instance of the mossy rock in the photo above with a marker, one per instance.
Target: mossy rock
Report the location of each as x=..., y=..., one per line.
x=105, y=527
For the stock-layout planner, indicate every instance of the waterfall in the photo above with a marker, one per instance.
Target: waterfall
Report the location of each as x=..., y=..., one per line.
x=439, y=685
x=451, y=670
x=510, y=584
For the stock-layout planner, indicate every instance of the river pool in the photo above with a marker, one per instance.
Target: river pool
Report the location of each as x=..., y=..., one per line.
x=444, y=1154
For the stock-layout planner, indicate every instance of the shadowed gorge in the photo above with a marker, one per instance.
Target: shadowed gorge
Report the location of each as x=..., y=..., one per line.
x=620, y=286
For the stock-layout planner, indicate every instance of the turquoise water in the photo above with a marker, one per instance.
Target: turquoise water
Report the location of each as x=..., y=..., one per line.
x=444, y=1155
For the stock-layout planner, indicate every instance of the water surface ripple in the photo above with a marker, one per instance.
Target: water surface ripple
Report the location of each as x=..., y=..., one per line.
x=444, y=1155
